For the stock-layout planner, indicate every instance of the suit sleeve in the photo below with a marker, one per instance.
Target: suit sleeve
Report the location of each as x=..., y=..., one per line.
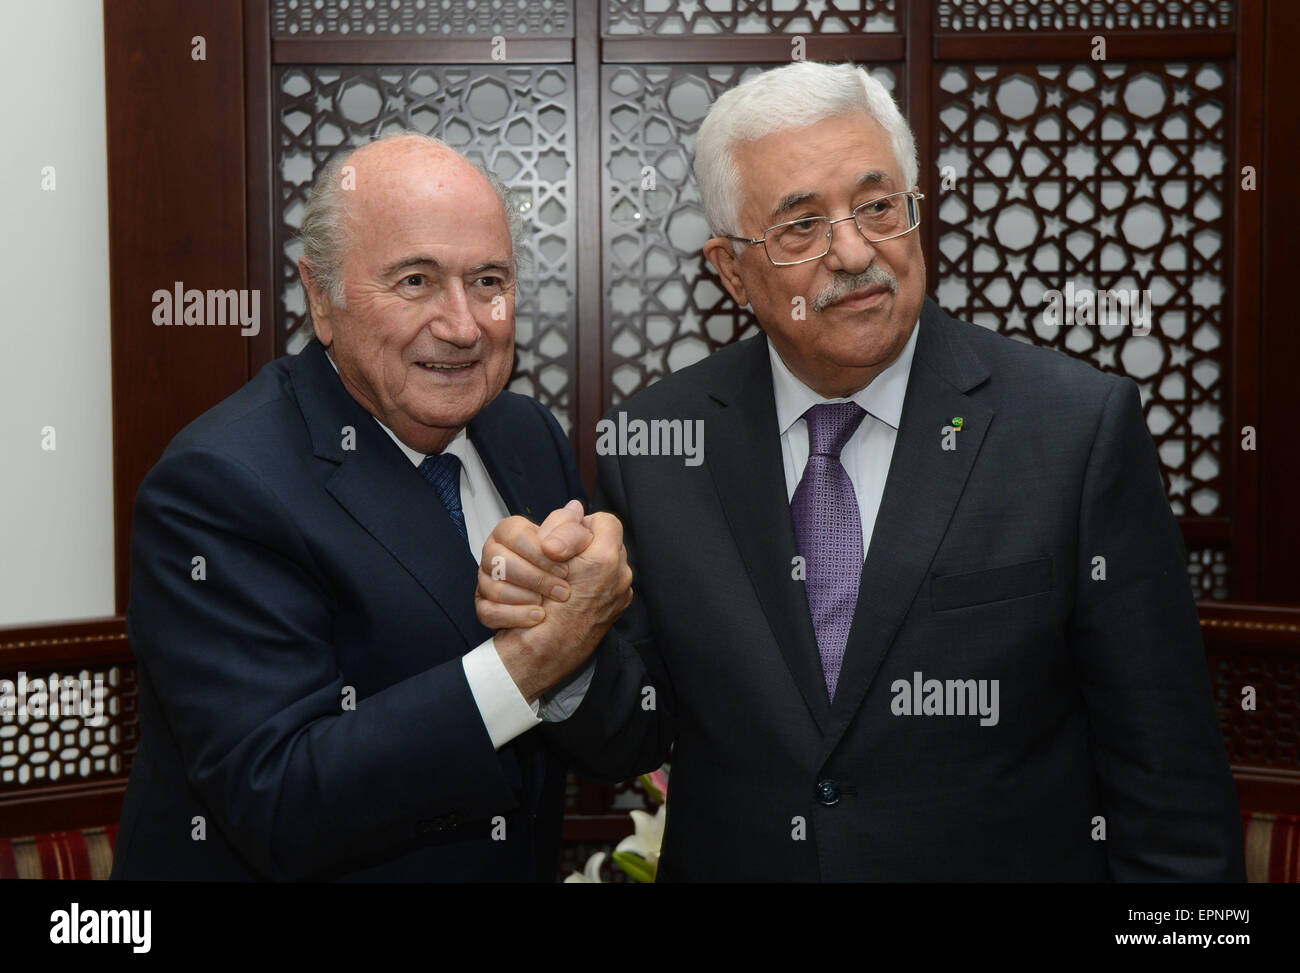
x=1158, y=753
x=239, y=648
x=625, y=725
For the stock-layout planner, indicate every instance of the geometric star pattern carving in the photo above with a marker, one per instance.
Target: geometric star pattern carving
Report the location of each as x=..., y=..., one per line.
x=1207, y=568
x=1105, y=176
x=1010, y=15
x=705, y=17
x=48, y=749
x=430, y=18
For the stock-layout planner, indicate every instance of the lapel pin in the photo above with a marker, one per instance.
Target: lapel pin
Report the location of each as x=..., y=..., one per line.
x=957, y=422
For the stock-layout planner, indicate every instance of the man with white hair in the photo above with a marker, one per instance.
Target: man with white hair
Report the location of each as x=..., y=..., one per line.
x=318, y=700
x=922, y=614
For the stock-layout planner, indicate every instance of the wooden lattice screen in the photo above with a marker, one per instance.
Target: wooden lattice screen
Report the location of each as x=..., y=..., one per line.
x=1041, y=165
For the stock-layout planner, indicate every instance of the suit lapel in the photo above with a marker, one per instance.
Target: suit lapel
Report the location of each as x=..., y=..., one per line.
x=385, y=494
x=921, y=492
x=490, y=435
x=745, y=460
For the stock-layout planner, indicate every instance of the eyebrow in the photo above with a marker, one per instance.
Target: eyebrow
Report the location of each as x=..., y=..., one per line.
x=491, y=265
x=872, y=177
x=405, y=262
x=421, y=261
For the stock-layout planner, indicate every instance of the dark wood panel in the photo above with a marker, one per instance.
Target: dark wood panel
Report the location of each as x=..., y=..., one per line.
x=1206, y=530
x=1274, y=625
x=1077, y=45
x=175, y=137
x=1279, y=443
x=67, y=807
x=259, y=167
x=597, y=827
x=91, y=640
x=1242, y=407
x=409, y=51
x=757, y=48
x=1270, y=793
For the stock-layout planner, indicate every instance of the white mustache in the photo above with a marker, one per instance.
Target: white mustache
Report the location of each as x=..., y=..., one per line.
x=845, y=284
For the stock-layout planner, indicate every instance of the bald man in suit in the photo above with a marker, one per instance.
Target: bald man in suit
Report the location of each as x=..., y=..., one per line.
x=318, y=700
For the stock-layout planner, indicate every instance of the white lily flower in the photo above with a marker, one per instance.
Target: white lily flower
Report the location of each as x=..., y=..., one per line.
x=649, y=836
x=590, y=874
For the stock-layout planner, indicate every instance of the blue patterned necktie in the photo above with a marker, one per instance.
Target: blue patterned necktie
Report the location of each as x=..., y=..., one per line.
x=828, y=530
x=443, y=473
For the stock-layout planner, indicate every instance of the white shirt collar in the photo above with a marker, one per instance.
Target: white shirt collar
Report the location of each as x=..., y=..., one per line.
x=882, y=398
x=457, y=444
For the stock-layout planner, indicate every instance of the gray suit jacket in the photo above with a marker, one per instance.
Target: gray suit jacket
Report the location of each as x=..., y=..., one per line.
x=1106, y=759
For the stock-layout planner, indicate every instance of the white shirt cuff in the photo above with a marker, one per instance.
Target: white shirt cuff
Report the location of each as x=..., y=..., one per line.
x=505, y=712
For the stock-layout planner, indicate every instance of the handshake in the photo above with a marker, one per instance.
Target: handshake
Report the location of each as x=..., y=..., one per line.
x=551, y=592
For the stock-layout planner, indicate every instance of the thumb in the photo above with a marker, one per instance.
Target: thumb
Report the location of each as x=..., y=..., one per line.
x=570, y=513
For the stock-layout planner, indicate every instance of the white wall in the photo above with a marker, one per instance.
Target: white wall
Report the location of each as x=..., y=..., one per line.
x=56, y=507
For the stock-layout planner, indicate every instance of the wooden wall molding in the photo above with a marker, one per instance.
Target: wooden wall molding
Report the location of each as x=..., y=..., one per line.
x=176, y=212
x=90, y=640
x=1258, y=646
x=1278, y=454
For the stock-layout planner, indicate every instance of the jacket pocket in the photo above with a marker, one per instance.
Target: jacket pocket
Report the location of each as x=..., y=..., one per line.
x=994, y=584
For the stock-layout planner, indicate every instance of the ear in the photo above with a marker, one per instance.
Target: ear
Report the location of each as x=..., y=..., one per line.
x=719, y=252
x=318, y=303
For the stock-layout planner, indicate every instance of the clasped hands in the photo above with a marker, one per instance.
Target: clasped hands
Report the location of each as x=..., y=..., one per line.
x=552, y=591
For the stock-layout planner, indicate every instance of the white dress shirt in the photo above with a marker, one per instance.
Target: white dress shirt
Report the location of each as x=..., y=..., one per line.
x=867, y=454
x=505, y=712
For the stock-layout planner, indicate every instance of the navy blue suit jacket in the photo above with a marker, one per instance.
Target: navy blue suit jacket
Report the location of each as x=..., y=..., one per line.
x=325, y=570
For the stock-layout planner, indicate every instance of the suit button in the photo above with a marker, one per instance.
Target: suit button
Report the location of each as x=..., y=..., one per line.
x=828, y=794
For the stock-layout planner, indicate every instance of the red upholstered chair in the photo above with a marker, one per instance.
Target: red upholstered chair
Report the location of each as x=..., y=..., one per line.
x=60, y=854
x=1272, y=846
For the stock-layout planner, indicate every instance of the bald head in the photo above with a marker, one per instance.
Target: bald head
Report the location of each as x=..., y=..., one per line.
x=391, y=171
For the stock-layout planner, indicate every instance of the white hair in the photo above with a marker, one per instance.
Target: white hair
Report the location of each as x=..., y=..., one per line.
x=323, y=233
x=793, y=96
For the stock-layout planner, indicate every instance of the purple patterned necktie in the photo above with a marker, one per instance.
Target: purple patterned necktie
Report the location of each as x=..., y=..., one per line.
x=828, y=530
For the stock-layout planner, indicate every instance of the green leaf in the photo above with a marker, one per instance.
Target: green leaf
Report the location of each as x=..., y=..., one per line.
x=637, y=867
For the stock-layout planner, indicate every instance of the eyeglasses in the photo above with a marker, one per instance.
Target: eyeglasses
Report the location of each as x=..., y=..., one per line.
x=878, y=220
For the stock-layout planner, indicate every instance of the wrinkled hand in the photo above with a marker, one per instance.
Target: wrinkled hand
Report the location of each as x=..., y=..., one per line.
x=523, y=563
x=551, y=592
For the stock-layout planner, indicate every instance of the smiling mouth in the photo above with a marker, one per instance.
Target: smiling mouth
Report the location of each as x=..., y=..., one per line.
x=438, y=367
